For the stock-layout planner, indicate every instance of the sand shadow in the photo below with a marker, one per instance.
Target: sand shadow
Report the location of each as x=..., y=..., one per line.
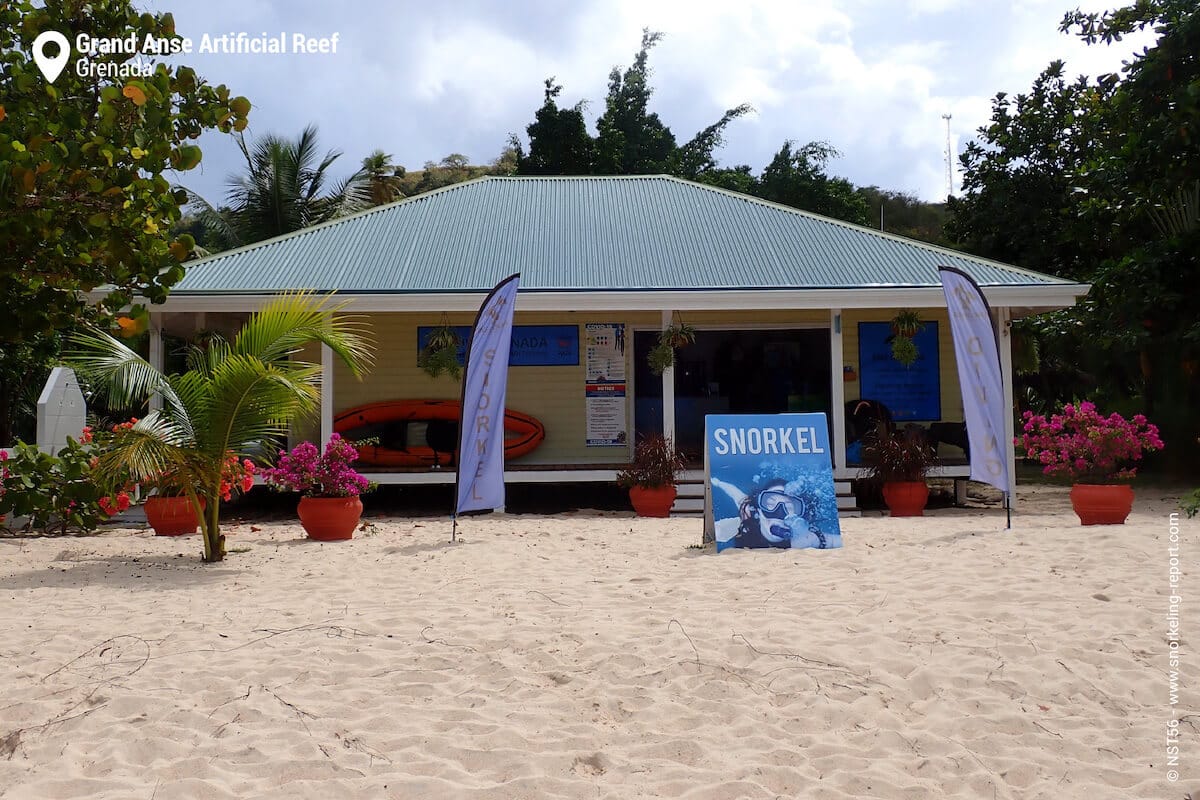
x=425, y=547
x=293, y=542
x=138, y=572
x=691, y=551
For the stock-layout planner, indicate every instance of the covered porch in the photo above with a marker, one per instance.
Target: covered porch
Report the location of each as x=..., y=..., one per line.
x=823, y=338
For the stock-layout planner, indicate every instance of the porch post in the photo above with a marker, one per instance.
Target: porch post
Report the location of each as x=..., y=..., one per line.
x=668, y=389
x=155, y=356
x=838, y=389
x=1004, y=337
x=326, y=393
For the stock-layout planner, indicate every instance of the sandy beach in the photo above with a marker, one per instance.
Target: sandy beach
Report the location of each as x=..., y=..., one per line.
x=597, y=656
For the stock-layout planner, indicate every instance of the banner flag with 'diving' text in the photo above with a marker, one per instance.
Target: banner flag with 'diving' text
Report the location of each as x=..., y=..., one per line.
x=977, y=354
x=479, y=484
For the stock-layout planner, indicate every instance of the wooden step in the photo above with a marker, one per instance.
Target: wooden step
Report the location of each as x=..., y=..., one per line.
x=689, y=497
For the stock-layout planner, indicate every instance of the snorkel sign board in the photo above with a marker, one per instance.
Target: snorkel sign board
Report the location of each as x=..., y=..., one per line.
x=769, y=481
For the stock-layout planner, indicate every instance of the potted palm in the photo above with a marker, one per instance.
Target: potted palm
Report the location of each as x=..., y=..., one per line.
x=235, y=396
x=329, y=487
x=168, y=508
x=1097, y=453
x=900, y=462
x=652, y=476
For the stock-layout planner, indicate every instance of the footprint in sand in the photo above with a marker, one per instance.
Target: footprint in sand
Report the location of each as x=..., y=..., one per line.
x=588, y=766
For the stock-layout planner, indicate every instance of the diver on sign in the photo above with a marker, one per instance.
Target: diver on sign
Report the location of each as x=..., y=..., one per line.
x=770, y=517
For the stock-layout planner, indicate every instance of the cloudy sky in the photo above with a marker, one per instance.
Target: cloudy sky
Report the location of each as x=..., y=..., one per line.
x=424, y=79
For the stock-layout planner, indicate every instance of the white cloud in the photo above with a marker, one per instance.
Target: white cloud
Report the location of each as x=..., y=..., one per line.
x=873, y=77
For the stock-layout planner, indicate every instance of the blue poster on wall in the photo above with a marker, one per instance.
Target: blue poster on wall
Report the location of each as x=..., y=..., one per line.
x=770, y=481
x=532, y=345
x=910, y=393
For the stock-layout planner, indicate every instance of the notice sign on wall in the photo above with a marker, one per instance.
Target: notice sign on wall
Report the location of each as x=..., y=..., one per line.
x=770, y=481
x=605, y=385
x=912, y=392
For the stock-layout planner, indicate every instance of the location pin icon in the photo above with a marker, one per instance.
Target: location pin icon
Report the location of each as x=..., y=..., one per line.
x=51, y=66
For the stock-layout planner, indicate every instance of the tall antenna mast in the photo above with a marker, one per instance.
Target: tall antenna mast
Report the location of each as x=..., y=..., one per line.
x=949, y=160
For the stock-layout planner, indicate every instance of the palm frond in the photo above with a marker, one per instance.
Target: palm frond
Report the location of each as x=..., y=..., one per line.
x=147, y=452
x=289, y=321
x=348, y=196
x=1180, y=214
x=250, y=402
x=218, y=224
x=114, y=371
x=200, y=356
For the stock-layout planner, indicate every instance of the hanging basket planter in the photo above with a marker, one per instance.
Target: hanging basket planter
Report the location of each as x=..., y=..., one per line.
x=439, y=356
x=904, y=350
x=906, y=323
x=662, y=356
x=905, y=326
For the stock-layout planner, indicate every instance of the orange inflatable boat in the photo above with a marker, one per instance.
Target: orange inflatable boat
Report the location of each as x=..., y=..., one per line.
x=424, y=433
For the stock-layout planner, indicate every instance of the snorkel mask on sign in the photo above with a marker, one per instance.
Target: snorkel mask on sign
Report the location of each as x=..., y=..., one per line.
x=769, y=510
x=778, y=504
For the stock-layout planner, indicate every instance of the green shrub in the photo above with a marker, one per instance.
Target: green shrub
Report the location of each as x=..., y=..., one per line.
x=57, y=494
x=1191, y=504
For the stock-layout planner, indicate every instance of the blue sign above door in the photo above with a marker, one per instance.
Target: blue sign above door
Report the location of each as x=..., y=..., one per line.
x=532, y=345
x=910, y=393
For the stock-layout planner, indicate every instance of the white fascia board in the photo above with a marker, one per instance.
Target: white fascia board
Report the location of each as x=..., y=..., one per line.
x=1048, y=296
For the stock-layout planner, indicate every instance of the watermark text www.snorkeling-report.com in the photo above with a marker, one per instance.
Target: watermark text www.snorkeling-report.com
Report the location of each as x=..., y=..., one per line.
x=1174, y=656
x=52, y=50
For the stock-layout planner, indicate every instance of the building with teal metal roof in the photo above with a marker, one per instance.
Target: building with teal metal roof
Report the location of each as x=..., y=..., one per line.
x=762, y=283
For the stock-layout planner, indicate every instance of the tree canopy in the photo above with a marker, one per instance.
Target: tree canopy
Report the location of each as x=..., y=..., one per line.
x=631, y=139
x=286, y=186
x=1098, y=180
x=84, y=200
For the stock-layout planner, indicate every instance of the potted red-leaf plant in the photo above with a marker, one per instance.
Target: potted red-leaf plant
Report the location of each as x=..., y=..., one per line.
x=652, y=476
x=900, y=461
x=329, y=487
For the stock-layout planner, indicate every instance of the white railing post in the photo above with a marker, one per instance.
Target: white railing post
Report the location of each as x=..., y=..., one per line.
x=1004, y=337
x=668, y=390
x=156, y=356
x=838, y=389
x=326, y=393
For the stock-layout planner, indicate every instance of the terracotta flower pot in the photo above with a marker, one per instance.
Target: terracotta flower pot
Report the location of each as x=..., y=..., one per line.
x=906, y=498
x=652, y=502
x=172, y=516
x=1102, y=504
x=329, y=519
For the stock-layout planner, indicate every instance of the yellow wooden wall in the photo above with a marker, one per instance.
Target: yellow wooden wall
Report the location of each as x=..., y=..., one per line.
x=308, y=428
x=555, y=395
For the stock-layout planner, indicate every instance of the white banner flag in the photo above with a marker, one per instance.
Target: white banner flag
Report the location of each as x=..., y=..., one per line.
x=977, y=354
x=479, y=484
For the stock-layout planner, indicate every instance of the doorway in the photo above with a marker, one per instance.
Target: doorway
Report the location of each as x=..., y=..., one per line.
x=753, y=371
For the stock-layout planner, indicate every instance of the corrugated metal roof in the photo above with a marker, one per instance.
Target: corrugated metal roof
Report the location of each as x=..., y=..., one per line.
x=586, y=233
